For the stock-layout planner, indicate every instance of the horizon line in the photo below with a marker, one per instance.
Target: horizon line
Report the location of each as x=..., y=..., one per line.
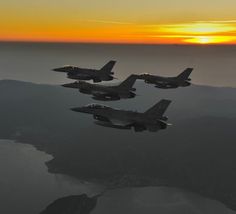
x=115, y=43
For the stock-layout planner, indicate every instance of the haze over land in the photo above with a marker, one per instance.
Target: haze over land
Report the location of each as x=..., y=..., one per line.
x=213, y=65
x=197, y=153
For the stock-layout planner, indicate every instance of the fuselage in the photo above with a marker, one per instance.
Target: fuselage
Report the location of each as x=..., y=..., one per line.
x=123, y=119
x=108, y=91
x=85, y=74
x=102, y=92
x=165, y=82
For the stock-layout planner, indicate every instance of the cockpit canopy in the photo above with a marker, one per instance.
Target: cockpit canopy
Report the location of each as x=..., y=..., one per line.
x=144, y=74
x=82, y=83
x=69, y=67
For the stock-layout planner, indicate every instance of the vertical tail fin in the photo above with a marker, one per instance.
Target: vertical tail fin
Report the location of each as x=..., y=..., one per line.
x=108, y=67
x=129, y=82
x=158, y=109
x=185, y=74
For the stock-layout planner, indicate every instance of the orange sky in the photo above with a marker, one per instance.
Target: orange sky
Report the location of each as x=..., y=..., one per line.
x=135, y=21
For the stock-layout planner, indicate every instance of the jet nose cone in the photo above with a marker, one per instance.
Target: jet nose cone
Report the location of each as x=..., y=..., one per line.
x=57, y=69
x=80, y=109
x=75, y=109
x=71, y=85
x=66, y=85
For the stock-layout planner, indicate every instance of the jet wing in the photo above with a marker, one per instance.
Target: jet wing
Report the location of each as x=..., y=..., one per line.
x=101, y=93
x=166, y=85
x=120, y=122
x=104, y=95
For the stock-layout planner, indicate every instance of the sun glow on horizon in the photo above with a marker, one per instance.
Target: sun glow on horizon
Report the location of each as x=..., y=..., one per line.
x=210, y=39
x=198, y=28
x=196, y=32
x=110, y=31
x=132, y=22
x=202, y=39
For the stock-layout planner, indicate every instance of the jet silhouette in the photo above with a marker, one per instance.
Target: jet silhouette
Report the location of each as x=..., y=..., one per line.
x=107, y=93
x=151, y=120
x=182, y=80
x=103, y=74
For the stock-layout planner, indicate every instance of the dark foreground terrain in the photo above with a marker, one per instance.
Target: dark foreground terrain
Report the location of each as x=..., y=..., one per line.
x=197, y=153
x=75, y=204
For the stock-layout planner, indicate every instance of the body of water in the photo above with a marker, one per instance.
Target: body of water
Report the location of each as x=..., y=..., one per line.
x=155, y=200
x=26, y=187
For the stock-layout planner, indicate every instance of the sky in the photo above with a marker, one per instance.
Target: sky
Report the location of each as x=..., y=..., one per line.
x=121, y=21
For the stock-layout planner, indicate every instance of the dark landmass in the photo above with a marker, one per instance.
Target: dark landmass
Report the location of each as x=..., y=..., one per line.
x=197, y=153
x=74, y=204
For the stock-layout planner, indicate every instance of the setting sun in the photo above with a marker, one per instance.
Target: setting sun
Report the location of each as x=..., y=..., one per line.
x=198, y=32
x=209, y=39
x=204, y=39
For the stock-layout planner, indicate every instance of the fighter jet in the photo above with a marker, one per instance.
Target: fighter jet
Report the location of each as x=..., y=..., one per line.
x=107, y=93
x=182, y=80
x=104, y=74
x=152, y=120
